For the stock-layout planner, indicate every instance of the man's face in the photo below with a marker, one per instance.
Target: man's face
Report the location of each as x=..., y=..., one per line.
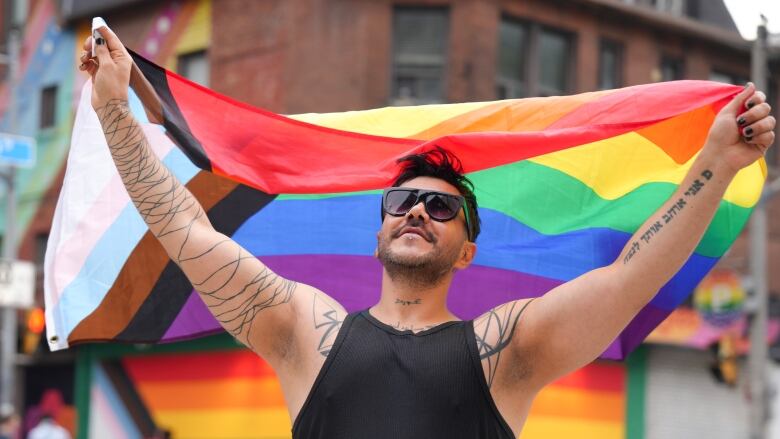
x=415, y=243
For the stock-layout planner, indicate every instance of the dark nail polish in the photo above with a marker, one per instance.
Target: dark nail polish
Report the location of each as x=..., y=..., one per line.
x=748, y=138
x=100, y=41
x=748, y=131
x=741, y=121
x=750, y=105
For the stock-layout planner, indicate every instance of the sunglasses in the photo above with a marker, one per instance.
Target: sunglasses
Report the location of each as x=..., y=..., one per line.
x=440, y=206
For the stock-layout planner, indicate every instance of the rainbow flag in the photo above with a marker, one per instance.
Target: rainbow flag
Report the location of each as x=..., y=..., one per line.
x=562, y=183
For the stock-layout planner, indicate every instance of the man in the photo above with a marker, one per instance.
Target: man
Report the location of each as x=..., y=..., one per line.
x=407, y=368
x=9, y=422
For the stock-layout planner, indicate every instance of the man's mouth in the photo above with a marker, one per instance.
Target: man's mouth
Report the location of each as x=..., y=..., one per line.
x=414, y=231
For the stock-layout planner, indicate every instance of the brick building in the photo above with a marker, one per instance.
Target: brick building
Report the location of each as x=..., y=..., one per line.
x=297, y=56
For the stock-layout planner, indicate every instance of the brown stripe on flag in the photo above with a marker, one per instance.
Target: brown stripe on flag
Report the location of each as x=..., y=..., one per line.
x=141, y=271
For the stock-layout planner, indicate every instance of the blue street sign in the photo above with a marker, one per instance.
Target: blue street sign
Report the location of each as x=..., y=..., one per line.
x=17, y=150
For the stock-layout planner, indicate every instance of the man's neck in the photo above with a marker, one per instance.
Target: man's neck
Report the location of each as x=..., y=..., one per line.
x=405, y=306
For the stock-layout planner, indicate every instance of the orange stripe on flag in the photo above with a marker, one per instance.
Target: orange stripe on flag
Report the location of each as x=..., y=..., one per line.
x=532, y=114
x=683, y=135
x=241, y=393
x=572, y=403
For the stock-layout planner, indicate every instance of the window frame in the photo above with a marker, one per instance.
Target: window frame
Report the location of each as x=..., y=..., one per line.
x=534, y=30
x=678, y=62
x=47, y=114
x=394, y=99
x=605, y=42
x=190, y=55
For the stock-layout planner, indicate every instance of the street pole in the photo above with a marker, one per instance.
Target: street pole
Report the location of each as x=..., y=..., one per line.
x=758, y=355
x=8, y=334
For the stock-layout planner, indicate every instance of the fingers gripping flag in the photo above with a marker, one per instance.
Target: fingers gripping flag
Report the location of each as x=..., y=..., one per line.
x=562, y=184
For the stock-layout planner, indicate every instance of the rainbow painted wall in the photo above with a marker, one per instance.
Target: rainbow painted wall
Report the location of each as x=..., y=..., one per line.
x=233, y=394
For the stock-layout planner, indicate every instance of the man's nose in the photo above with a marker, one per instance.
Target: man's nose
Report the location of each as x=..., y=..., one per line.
x=418, y=211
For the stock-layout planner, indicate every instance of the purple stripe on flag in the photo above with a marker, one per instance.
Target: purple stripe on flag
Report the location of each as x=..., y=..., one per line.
x=355, y=281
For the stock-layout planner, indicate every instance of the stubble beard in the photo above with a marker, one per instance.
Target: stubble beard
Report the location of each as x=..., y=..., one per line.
x=418, y=271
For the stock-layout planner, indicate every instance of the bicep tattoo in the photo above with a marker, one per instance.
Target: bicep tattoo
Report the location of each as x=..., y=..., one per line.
x=327, y=322
x=494, y=331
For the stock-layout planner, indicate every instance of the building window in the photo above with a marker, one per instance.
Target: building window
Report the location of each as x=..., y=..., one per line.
x=48, y=106
x=512, y=56
x=41, y=241
x=674, y=7
x=532, y=60
x=610, y=65
x=727, y=78
x=419, y=55
x=195, y=67
x=555, y=52
x=672, y=69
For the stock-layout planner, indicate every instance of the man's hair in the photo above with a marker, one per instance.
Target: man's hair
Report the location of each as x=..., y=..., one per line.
x=444, y=165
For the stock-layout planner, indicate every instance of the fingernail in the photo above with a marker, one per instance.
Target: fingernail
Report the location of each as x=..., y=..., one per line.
x=100, y=41
x=749, y=131
x=750, y=105
x=741, y=121
x=748, y=138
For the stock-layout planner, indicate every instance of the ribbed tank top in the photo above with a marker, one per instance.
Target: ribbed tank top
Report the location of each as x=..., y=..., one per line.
x=379, y=382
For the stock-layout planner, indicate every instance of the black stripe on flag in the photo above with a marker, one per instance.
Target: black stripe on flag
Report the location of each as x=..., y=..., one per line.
x=174, y=122
x=172, y=289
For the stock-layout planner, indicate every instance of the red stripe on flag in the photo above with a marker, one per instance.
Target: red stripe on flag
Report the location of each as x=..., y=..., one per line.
x=605, y=377
x=197, y=366
x=280, y=155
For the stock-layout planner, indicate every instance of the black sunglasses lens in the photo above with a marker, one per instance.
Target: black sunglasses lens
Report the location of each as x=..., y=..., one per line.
x=398, y=202
x=442, y=207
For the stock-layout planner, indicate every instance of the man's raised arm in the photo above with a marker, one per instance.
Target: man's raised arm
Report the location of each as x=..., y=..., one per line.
x=272, y=315
x=574, y=323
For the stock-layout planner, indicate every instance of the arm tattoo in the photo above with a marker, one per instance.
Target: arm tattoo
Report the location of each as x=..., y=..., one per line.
x=171, y=211
x=327, y=320
x=494, y=331
x=668, y=216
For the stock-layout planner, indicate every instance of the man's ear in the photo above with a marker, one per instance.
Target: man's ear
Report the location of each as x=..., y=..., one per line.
x=467, y=254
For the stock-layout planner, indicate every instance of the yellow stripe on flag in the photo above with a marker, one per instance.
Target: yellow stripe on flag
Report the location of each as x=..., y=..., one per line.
x=615, y=166
x=225, y=424
x=550, y=427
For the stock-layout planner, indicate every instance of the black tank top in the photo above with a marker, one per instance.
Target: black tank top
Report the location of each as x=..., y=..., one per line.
x=379, y=382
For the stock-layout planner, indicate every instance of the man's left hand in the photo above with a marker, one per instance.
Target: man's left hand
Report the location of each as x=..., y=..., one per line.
x=743, y=131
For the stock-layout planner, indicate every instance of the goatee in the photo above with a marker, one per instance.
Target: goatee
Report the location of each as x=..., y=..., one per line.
x=421, y=271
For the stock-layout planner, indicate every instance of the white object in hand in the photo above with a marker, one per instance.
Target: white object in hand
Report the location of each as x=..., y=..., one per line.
x=97, y=23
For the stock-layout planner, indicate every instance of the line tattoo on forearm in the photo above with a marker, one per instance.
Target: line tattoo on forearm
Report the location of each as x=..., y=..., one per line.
x=668, y=216
x=171, y=211
x=494, y=331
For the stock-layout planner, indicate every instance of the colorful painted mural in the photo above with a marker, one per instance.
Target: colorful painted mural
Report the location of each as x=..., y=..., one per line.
x=233, y=394
x=47, y=76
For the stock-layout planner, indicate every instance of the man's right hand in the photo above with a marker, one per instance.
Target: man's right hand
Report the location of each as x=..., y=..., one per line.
x=110, y=69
